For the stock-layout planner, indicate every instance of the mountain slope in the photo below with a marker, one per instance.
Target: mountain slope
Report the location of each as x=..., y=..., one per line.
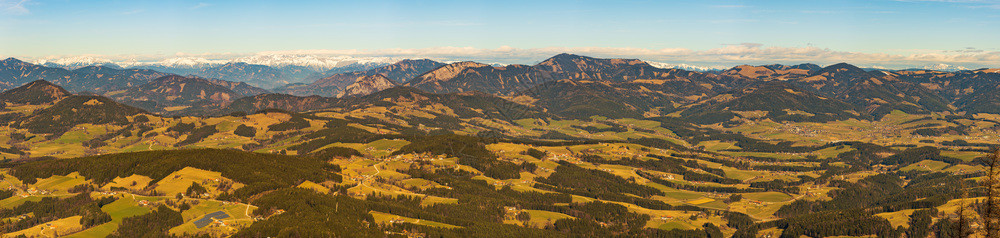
x=878, y=93
x=983, y=100
x=398, y=73
x=781, y=101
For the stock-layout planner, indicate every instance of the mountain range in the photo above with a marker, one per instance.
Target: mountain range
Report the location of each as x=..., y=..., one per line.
x=566, y=85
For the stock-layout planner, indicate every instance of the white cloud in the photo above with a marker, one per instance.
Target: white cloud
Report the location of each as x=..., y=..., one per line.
x=14, y=7
x=726, y=55
x=201, y=5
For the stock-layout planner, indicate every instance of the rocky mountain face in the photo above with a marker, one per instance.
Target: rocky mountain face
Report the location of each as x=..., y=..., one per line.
x=472, y=76
x=771, y=72
x=367, y=84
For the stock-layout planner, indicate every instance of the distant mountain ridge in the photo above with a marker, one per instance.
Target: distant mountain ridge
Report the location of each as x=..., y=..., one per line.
x=332, y=85
x=256, y=75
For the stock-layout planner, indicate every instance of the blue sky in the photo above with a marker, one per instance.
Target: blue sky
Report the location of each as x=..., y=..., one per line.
x=876, y=32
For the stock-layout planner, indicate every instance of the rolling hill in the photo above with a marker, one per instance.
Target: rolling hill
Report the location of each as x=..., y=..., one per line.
x=34, y=93
x=75, y=110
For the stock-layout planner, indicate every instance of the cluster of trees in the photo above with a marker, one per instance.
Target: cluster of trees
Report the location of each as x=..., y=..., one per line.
x=51, y=208
x=152, y=225
x=914, y=155
x=197, y=135
x=297, y=122
x=260, y=172
x=537, y=154
x=245, y=131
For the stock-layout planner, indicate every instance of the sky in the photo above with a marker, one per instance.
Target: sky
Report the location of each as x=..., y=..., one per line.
x=889, y=33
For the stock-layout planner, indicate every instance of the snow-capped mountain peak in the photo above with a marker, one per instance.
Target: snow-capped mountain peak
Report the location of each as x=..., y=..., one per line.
x=945, y=67
x=685, y=66
x=74, y=62
x=319, y=63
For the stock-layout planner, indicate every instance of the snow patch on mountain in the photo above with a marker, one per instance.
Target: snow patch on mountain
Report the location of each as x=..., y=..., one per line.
x=74, y=62
x=318, y=63
x=685, y=66
x=945, y=67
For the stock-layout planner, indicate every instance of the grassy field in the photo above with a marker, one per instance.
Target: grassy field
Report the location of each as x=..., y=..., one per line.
x=538, y=218
x=179, y=181
x=314, y=186
x=239, y=216
x=898, y=218
x=133, y=182
x=768, y=196
x=390, y=218
x=59, y=184
x=14, y=201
